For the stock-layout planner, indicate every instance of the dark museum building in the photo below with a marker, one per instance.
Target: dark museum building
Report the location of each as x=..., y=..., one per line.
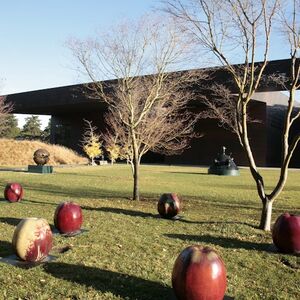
x=68, y=106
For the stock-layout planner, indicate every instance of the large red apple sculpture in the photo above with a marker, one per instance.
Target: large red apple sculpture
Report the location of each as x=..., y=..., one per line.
x=286, y=233
x=68, y=217
x=199, y=274
x=32, y=239
x=169, y=205
x=13, y=192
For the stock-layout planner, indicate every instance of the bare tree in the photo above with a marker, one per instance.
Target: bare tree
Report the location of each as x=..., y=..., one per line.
x=148, y=111
x=117, y=139
x=242, y=28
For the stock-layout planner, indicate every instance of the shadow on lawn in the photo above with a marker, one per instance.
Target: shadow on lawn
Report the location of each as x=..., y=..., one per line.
x=187, y=173
x=216, y=223
x=20, y=170
x=224, y=242
x=123, y=285
x=126, y=286
x=136, y=213
x=77, y=191
x=10, y=221
x=39, y=202
x=5, y=248
x=127, y=212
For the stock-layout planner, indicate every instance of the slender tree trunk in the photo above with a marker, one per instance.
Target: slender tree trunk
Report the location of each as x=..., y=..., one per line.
x=136, y=179
x=132, y=167
x=266, y=215
x=267, y=201
x=136, y=167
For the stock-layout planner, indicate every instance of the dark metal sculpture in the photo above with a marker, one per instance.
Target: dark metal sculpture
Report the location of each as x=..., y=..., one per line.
x=224, y=165
x=41, y=157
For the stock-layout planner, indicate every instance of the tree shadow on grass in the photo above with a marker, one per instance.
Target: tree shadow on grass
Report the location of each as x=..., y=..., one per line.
x=136, y=213
x=77, y=191
x=10, y=221
x=20, y=170
x=187, y=173
x=128, y=212
x=38, y=202
x=123, y=285
x=5, y=248
x=218, y=223
x=224, y=242
x=126, y=286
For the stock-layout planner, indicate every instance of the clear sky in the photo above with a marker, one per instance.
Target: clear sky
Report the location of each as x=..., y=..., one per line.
x=33, y=34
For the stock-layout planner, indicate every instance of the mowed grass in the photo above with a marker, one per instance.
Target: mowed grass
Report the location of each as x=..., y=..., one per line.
x=128, y=252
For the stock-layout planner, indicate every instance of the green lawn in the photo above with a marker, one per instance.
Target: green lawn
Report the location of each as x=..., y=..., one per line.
x=128, y=252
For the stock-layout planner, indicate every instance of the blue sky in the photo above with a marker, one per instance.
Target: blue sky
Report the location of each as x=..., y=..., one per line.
x=33, y=34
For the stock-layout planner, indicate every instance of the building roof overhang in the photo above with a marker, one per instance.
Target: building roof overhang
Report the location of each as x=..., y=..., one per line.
x=73, y=99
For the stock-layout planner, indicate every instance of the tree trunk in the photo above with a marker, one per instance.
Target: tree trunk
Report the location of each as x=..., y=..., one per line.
x=266, y=215
x=136, y=178
x=132, y=168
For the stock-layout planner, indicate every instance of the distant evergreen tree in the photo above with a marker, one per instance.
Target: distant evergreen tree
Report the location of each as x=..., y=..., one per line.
x=5, y=110
x=12, y=130
x=46, y=132
x=32, y=128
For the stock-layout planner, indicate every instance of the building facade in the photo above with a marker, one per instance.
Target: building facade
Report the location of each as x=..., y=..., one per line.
x=69, y=106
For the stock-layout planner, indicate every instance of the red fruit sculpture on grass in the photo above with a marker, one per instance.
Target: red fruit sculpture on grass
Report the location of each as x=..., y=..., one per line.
x=169, y=205
x=68, y=217
x=32, y=239
x=199, y=274
x=286, y=233
x=13, y=192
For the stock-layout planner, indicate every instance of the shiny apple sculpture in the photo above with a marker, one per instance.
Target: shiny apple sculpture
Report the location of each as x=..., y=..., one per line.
x=169, y=205
x=13, y=192
x=68, y=217
x=32, y=239
x=199, y=274
x=286, y=233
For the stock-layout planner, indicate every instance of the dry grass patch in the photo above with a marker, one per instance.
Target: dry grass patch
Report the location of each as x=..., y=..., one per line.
x=16, y=153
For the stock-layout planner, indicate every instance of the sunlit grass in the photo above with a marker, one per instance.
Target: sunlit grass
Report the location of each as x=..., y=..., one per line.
x=128, y=252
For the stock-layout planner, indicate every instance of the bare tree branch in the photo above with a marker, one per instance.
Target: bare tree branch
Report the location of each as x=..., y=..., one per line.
x=244, y=27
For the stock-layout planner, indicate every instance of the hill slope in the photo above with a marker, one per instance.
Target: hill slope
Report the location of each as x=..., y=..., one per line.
x=19, y=153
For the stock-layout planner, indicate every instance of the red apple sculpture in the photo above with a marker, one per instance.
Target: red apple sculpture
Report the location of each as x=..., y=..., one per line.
x=286, y=233
x=13, y=192
x=199, y=274
x=68, y=218
x=32, y=239
x=169, y=205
